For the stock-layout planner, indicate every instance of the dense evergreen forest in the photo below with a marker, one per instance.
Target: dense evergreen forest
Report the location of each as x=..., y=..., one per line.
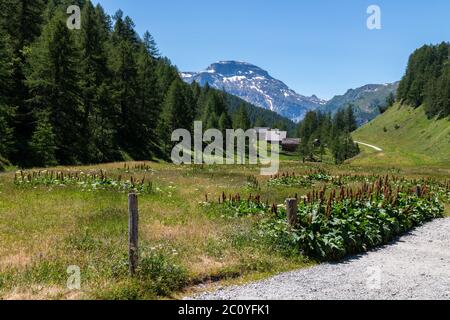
x=98, y=94
x=427, y=80
x=320, y=132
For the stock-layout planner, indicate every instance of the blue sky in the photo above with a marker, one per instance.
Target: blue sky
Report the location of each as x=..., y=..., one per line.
x=320, y=47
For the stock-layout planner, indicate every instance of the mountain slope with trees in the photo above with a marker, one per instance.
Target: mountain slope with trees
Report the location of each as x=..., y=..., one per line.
x=99, y=94
x=408, y=138
x=416, y=130
x=427, y=80
x=367, y=101
x=257, y=86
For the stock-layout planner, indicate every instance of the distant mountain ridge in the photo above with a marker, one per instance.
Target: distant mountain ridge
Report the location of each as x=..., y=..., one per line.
x=366, y=100
x=255, y=86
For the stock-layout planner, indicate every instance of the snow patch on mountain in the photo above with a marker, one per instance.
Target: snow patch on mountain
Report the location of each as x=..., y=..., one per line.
x=256, y=86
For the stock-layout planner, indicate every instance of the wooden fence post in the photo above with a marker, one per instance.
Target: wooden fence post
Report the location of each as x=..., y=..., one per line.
x=291, y=210
x=419, y=191
x=133, y=227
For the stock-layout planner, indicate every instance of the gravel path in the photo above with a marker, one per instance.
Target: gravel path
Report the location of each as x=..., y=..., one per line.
x=417, y=266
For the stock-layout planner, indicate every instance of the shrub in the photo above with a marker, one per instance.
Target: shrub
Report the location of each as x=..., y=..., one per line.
x=157, y=275
x=347, y=221
x=43, y=143
x=86, y=181
x=161, y=275
x=239, y=207
x=352, y=225
x=289, y=180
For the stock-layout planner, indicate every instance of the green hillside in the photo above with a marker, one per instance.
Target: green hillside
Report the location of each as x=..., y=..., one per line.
x=407, y=137
x=366, y=101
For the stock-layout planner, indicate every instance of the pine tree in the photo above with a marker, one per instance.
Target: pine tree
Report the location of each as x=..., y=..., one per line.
x=6, y=111
x=105, y=21
x=94, y=82
x=148, y=107
x=202, y=101
x=260, y=123
x=240, y=119
x=445, y=91
x=125, y=86
x=196, y=94
x=350, y=119
x=21, y=22
x=322, y=151
x=280, y=125
x=390, y=100
x=214, y=107
x=43, y=143
x=304, y=149
x=337, y=149
x=53, y=83
x=340, y=123
x=6, y=132
x=172, y=114
x=166, y=74
x=225, y=122
x=190, y=107
x=308, y=127
x=151, y=46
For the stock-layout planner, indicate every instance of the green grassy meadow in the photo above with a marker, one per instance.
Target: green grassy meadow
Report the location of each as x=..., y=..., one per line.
x=45, y=229
x=408, y=139
x=185, y=239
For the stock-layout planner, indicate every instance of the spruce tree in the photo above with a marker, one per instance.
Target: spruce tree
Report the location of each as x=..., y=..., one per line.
x=151, y=46
x=148, y=106
x=95, y=79
x=214, y=107
x=43, y=143
x=190, y=108
x=166, y=74
x=21, y=21
x=350, y=119
x=280, y=125
x=240, y=119
x=196, y=94
x=260, y=122
x=304, y=149
x=225, y=122
x=390, y=100
x=124, y=68
x=337, y=149
x=172, y=114
x=6, y=132
x=6, y=110
x=53, y=81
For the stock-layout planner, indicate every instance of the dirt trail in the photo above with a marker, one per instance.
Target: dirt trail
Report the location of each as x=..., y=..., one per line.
x=370, y=146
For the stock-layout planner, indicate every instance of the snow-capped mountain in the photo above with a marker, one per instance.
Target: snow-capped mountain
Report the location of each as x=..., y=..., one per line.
x=256, y=86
